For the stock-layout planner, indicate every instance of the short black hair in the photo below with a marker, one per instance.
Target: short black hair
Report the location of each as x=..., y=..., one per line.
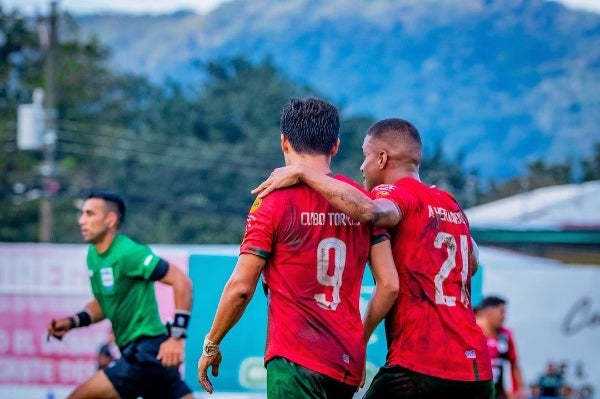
x=115, y=201
x=491, y=302
x=397, y=127
x=312, y=125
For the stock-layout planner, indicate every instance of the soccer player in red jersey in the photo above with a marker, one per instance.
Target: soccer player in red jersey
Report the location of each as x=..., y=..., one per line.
x=312, y=258
x=435, y=348
x=490, y=315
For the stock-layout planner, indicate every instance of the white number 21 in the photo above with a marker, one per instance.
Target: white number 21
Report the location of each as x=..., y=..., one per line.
x=339, y=252
x=449, y=264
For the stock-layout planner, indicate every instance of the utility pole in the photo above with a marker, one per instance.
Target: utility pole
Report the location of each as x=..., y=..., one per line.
x=48, y=169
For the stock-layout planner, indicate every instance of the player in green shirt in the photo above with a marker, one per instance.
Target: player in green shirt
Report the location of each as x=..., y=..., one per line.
x=122, y=275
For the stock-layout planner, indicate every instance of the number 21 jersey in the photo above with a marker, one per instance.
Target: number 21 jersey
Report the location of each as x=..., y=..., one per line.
x=432, y=329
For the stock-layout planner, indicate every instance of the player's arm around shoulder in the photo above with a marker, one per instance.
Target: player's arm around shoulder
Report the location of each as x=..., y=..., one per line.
x=384, y=213
x=387, y=286
x=345, y=197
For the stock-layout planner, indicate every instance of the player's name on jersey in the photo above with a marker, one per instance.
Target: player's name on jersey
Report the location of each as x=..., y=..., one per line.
x=445, y=215
x=326, y=219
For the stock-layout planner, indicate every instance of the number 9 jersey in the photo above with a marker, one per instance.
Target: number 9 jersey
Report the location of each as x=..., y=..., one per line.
x=315, y=260
x=432, y=329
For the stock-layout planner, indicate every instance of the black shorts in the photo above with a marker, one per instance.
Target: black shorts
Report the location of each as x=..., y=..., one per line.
x=139, y=373
x=401, y=383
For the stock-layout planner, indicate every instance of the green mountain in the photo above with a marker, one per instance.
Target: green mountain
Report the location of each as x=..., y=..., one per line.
x=500, y=82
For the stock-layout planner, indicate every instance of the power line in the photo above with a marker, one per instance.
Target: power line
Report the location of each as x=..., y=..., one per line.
x=175, y=163
x=150, y=147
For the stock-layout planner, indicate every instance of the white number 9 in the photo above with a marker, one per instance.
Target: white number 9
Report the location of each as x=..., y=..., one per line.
x=339, y=252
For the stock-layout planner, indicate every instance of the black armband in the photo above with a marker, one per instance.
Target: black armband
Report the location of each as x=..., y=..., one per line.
x=180, y=324
x=161, y=269
x=81, y=319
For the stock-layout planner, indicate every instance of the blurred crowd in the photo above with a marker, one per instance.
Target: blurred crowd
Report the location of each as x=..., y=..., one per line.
x=553, y=384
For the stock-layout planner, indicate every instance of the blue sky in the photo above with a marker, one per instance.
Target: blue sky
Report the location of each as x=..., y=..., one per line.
x=158, y=6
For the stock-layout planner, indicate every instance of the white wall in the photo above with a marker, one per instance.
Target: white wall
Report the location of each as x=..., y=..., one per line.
x=554, y=312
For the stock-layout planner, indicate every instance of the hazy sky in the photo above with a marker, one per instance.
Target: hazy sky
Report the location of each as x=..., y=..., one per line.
x=151, y=6
x=158, y=6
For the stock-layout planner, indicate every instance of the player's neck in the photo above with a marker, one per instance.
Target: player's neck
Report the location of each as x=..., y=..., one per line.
x=487, y=329
x=103, y=244
x=394, y=175
x=317, y=162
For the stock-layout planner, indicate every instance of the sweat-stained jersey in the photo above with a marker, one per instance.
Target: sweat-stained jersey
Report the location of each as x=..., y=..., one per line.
x=431, y=329
x=120, y=279
x=315, y=260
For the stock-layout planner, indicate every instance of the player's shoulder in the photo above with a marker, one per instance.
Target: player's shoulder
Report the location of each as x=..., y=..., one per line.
x=449, y=196
x=123, y=242
x=271, y=201
x=123, y=239
x=349, y=181
x=403, y=187
x=506, y=332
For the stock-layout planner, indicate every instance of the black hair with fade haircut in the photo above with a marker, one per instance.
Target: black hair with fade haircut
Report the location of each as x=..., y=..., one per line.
x=311, y=126
x=395, y=130
x=397, y=127
x=491, y=302
x=115, y=202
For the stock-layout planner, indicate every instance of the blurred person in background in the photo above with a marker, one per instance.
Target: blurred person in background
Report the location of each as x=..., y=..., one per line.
x=435, y=348
x=490, y=316
x=122, y=275
x=312, y=260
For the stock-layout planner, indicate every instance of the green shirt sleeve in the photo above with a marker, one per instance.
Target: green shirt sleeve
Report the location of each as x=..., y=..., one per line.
x=141, y=261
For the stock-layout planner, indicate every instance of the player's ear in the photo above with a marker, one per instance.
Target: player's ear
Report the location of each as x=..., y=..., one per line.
x=113, y=219
x=285, y=144
x=335, y=148
x=382, y=159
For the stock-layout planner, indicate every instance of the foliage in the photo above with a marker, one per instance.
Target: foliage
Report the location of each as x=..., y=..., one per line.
x=540, y=174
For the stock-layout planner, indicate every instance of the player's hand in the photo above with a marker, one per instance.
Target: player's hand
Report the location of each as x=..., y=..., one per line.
x=57, y=328
x=364, y=376
x=279, y=178
x=170, y=352
x=203, y=364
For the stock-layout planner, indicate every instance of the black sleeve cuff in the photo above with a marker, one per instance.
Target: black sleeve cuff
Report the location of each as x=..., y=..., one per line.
x=379, y=238
x=161, y=269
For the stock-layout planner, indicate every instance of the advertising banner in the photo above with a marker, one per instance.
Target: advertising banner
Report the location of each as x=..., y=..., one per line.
x=242, y=369
x=38, y=283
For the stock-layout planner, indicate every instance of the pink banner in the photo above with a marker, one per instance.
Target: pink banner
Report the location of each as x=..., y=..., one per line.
x=42, y=282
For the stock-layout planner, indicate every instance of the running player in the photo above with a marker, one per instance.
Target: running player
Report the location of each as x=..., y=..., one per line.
x=312, y=258
x=435, y=348
x=122, y=275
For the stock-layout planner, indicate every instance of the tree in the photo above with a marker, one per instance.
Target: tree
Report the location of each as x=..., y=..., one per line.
x=185, y=159
x=20, y=68
x=591, y=165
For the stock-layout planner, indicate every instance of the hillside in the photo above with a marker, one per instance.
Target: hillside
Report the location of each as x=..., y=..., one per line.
x=503, y=81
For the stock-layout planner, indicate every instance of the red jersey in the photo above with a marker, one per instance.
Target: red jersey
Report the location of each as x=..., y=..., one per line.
x=316, y=258
x=432, y=329
x=502, y=347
